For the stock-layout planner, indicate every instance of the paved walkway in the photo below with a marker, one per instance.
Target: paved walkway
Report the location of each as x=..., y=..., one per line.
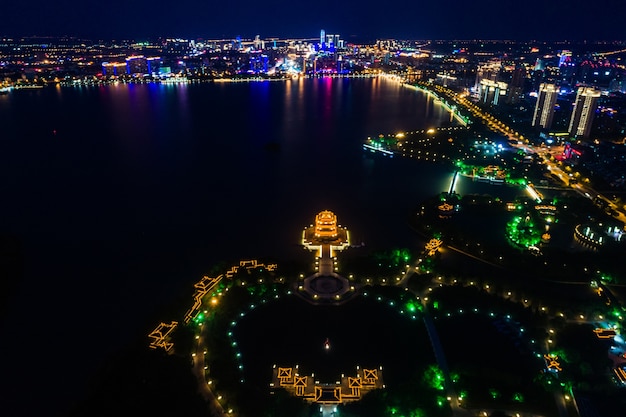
x=443, y=364
x=326, y=262
x=215, y=408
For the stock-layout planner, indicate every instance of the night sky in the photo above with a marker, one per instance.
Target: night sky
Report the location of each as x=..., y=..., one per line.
x=353, y=19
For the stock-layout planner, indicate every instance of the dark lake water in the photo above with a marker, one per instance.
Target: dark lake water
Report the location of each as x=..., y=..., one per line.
x=122, y=195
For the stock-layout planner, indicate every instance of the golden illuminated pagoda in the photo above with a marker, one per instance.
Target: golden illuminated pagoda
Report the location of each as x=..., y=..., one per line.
x=326, y=225
x=325, y=231
x=326, y=237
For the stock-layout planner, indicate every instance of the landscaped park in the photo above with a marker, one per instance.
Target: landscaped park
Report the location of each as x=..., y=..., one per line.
x=413, y=337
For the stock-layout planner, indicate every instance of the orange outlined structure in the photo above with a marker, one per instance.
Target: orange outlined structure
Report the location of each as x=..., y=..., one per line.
x=285, y=376
x=207, y=284
x=552, y=363
x=370, y=376
x=605, y=333
x=300, y=385
x=433, y=246
x=161, y=336
x=355, y=386
x=350, y=388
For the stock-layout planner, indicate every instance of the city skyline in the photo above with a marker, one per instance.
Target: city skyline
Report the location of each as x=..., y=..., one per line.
x=551, y=20
x=160, y=160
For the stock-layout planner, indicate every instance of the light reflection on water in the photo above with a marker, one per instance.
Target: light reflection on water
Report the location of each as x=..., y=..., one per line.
x=123, y=195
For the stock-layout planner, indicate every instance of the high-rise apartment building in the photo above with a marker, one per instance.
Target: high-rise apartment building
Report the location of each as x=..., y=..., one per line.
x=584, y=110
x=487, y=71
x=490, y=92
x=516, y=86
x=544, y=109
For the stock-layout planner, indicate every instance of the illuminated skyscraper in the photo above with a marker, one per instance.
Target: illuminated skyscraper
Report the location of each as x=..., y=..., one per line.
x=516, y=87
x=544, y=109
x=322, y=38
x=490, y=92
x=565, y=56
x=584, y=110
x=339, y=43
x=487, y=71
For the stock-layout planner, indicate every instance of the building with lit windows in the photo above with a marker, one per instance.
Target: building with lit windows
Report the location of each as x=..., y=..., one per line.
x=334, y=42
x=136, y=65
x=584, y=110
x=259, y=63
x=113, y=68
x=544, y=109
x=487, y=71
x=516, y=87
x=154, y=65
x=491, y=92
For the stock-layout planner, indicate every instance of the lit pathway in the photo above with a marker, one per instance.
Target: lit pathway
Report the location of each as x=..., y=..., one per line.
x=443, y=364
x=440, y=356
x=325, y=261
x=474, y=257
x=328, y=410
x=215, y=408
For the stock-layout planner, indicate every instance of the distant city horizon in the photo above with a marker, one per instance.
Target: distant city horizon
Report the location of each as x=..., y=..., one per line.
x=352, y=38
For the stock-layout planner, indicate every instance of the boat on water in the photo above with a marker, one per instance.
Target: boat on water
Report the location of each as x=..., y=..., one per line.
x=490, y=180
x=28, y=87
x=174, y=80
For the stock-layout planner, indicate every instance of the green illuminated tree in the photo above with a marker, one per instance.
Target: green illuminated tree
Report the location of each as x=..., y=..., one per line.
x=434, y=378
x=523, y=231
